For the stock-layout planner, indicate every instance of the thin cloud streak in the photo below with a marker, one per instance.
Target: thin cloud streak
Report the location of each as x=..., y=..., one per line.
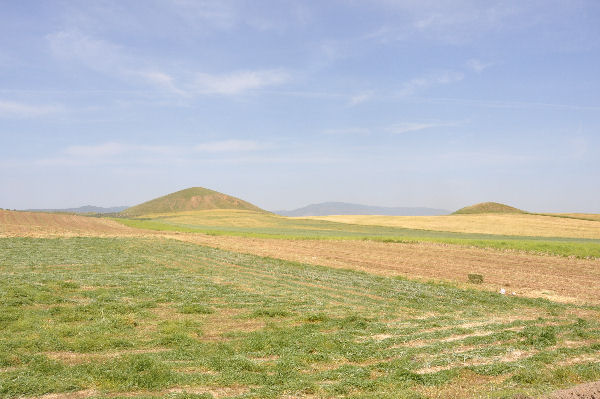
x=398, y=128
x=113, y=60
x=230, y=146
x=228, y=151
x=413, y=127
x=13, y=109
x=478, y=65
x=506, y=104
x=434, y=79
x=117, y=153
x=238, y=82
x=360, y=98
x=95, y=151
x=454, y=22
x=349, y=130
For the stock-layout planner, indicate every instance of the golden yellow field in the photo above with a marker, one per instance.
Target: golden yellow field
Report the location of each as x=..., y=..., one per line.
x=504, y=224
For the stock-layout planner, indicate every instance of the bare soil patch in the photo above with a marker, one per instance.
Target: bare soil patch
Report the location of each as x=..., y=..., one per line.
x=41, y=224
x=584, y=391
x=470, y=385
x=217, y=392
x=73, y=358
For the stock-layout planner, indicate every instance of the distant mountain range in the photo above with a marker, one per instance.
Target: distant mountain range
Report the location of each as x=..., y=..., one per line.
x=84, y=209
x=343, y=208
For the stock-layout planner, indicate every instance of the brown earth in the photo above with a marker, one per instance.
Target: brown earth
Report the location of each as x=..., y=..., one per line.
x=215, y=392
x=583, y=391
x=41, y=224
x=557, y=278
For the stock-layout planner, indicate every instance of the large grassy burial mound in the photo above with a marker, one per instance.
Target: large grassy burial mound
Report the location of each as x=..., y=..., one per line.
x=195, y=198
x=487, y=207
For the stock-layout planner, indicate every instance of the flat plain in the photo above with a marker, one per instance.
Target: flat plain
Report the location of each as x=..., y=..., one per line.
x=505, y=224
x=91, y=307
x=243, y=223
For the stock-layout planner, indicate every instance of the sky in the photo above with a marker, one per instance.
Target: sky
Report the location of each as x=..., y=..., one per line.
x=285, y=103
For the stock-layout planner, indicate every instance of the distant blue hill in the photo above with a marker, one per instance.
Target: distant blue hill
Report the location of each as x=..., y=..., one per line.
x=343, y=208
x=84, y=209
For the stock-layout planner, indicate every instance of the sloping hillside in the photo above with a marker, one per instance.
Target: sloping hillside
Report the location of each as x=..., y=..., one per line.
x=195, y=198
x=487, y=207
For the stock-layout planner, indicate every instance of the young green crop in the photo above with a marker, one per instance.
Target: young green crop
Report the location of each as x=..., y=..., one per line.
x=130, y=317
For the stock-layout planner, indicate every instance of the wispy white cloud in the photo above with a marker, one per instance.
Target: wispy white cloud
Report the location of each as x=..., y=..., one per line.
x=398, y=128
x=113, y=60
x=238, y=82
x=230, y=146
x=348, y=130
x=227, y=15
x=360, y=98
x=329, y=51
x=95, y=151
x=434, y=79
x=508, y=104
x=415, y=126
x=219, y=14
x=453, y=22
x=477, y=65
x=161, y=79
x=12, y=109
x=107, y=58
x=119, y=153
x=96, y=54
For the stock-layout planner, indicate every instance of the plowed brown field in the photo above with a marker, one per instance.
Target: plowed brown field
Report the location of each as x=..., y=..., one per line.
x=41, y=224
x=584, y=391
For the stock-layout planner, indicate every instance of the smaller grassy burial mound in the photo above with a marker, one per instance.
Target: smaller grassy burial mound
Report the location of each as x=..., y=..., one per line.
x=487, y=207
x=190, y=199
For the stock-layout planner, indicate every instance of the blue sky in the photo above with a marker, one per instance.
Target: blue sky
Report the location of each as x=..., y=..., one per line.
x=285, y=103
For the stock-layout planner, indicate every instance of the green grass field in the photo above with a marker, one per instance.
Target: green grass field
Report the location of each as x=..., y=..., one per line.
x=132, y=317
x=271, y=226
